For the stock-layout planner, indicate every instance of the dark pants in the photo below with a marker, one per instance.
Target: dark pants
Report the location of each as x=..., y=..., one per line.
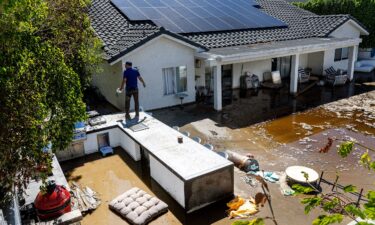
x=129, y=93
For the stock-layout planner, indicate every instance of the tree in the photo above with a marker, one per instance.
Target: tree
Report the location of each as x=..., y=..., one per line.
x=362, y=10
x=47, y=52
x=334, y=204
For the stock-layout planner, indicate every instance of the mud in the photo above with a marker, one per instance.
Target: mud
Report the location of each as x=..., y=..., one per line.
x=291, y=139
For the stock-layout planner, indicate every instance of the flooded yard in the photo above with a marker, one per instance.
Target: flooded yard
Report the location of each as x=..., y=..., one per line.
x=281, y=141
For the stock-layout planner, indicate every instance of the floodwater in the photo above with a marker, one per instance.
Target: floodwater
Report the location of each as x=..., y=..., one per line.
x=292, y=134
x=110, y=177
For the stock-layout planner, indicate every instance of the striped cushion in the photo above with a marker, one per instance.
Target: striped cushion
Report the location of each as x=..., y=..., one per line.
x=331, y=71
x=301, y=71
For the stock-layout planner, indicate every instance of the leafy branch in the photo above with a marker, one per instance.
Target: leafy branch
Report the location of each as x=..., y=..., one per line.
x=336, y=204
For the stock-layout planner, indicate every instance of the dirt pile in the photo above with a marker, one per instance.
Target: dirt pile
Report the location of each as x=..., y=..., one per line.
x=363, y=105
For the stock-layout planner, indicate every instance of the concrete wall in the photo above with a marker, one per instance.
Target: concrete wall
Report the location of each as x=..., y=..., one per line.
x=150, y=59
x=168, y=180
x=91, y=143
x=130, y=146
x=254, y=67
x=209, y=188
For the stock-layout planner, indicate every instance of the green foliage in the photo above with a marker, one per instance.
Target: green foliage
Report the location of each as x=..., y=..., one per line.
x=350, y=188
x=362, y=10
x=257, y=221
x=369, y=207
x=311, y=203
x=345, y=148
x=365, y=160
x=330, y=205
x=300, y=189
x=328, y=219
x=353, y=210
x=40, y=83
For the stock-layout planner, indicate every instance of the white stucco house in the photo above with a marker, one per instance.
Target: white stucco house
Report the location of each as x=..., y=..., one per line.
x=173, y=62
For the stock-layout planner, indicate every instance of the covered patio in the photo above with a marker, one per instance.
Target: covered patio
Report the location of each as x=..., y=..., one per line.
x=221, y=68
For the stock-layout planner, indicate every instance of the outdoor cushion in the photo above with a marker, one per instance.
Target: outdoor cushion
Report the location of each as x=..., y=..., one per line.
x=364, y=69
x=276, y=78
x=330, y=71
x=137, y=206
x=358, y=64
x=367, y=62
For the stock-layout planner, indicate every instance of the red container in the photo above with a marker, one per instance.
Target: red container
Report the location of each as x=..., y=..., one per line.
x=54, y=203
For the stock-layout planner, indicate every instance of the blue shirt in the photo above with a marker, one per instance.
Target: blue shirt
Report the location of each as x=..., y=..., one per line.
x=131, y=76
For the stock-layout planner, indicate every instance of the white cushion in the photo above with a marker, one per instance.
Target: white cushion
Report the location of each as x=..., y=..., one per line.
x=137, y=206
x=276, y=78
x=358, y=64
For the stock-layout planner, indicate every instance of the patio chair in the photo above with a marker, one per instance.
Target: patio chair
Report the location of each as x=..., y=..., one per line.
x=335, y=77
x=197, y=139
x=303, y=75
x=272, y=80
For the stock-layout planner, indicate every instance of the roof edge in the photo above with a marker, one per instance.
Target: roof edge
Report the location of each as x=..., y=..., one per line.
x=162, y=31
x=350, y=18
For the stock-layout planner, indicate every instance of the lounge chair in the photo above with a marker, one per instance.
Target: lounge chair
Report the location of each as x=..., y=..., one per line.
x=303, y=75
x=364, y=66
x=335, y=77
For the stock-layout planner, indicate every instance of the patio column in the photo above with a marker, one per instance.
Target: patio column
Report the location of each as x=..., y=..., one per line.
x=294, y=74
x=352, y=58
x=218, y=103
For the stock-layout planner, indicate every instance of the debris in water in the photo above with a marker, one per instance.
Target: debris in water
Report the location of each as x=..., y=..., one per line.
x=87, y=199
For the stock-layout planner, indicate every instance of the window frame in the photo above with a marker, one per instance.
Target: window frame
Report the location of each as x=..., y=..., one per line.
x=342, y=55
x=176, y=71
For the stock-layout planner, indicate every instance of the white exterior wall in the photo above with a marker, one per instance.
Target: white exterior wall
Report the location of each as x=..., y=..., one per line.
x=347, y=30
x=108, y=80
x=329, y=60
x=130, y=146
x=150, y=59
x=91, y=143
x=170, y=182
x=303, y=60
x=254, y=67
x=315, y=62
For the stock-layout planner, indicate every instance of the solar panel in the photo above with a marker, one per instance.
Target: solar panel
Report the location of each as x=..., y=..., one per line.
x=191, y=16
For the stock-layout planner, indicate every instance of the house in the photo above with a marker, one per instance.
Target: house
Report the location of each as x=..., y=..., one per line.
x=180, y=46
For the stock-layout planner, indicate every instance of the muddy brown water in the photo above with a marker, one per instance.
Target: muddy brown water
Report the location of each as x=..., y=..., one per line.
x=276, y=144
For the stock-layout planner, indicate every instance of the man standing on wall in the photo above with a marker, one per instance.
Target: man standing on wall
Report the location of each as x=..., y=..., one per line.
x=130, y=79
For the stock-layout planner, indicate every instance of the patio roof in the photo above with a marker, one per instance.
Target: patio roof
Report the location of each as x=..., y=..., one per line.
x=261, y=51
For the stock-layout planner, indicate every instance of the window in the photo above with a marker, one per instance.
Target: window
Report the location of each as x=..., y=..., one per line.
x=174, y=80
x=341, y=54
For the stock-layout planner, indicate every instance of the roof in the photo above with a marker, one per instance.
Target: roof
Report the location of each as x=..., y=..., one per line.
x=244, y=53
x=121, y=36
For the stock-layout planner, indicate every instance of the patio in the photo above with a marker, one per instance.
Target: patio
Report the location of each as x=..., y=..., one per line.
x=251, y=106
